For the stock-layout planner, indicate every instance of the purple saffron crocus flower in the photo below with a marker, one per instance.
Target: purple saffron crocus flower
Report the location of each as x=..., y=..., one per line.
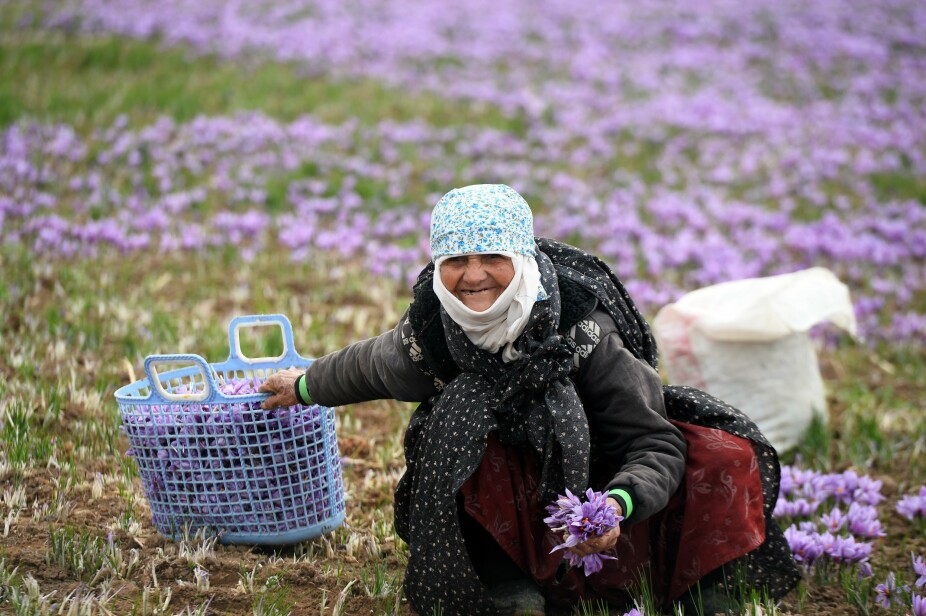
x=841, y=486
x=582, y=521
x=868, y=491
x=919, y=606
x=865, y=571
x=919, y=567
x=804, y=546
x=863, y=521
x=868, y=529
x=834, y=520
x=848, y=550
x=885, y=593
x=799, y=508
x=827, y=542
x=911, y=506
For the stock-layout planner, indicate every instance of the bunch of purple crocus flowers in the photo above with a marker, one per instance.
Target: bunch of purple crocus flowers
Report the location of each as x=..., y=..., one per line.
x=582, y=521
x=849, y=517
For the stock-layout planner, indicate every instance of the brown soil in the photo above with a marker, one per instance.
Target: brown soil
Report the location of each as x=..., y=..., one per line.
x=305, y=585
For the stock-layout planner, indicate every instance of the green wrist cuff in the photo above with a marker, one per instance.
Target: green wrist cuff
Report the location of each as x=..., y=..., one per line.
x=623, y=496
x=302, y=391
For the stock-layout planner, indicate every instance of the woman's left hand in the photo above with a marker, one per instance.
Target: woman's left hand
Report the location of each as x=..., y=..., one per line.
x=604, y=542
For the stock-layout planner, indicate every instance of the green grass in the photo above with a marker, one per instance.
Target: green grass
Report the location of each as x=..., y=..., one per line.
x=89, y=81
x=81, y=555
x=875, y=410
x=900, y=185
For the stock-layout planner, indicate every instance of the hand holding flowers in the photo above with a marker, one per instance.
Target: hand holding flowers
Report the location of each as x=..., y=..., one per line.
x=589, y=528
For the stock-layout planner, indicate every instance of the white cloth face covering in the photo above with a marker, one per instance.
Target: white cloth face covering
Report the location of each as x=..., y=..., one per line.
x=500, y=325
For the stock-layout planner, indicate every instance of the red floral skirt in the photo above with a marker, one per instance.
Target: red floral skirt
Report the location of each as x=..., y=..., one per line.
x=714, y=517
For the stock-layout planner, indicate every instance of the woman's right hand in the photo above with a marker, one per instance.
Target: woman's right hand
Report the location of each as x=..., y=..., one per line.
x=603, y=543
x=282, y=386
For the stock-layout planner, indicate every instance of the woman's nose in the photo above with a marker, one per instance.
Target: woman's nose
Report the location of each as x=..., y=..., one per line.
x=474, y=271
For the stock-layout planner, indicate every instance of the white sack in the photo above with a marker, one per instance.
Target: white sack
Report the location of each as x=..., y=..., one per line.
x=746, y=342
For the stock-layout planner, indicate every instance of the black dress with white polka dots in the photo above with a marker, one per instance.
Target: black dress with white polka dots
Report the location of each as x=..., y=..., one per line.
x=530, y=402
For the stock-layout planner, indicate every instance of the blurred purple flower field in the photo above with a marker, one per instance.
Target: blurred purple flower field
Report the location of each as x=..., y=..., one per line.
x=687, y=143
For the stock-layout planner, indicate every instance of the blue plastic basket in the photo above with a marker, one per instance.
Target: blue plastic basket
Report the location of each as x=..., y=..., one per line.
x=216, y=460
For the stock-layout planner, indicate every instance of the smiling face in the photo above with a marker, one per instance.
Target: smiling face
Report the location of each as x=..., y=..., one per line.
x=477, y=280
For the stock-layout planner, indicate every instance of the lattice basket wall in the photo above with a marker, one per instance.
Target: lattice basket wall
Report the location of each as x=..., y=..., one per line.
x=210, y=457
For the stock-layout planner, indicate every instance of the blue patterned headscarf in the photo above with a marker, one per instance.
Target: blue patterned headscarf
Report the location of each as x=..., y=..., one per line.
x=482, y=218
x=488, y=218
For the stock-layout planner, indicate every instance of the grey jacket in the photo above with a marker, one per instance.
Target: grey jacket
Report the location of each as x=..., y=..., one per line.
x=622, y=397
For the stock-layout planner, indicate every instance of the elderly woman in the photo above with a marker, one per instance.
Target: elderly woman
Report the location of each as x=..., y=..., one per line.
x=536, y=373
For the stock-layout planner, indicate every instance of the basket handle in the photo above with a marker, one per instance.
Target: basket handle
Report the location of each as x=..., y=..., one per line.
x=210, y=386
x=262, y=320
